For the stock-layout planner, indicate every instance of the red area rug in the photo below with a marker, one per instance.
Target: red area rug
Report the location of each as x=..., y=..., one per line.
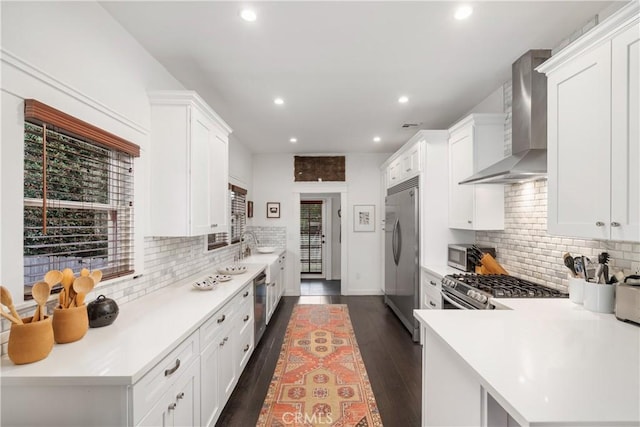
x=320, y=378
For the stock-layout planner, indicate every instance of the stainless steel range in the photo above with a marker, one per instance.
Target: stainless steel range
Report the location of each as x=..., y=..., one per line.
x=475, y=291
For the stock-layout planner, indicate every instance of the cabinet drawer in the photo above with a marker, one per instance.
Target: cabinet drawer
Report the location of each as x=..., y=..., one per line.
x=157, y=381
x=216, y=323
x=433, y=302
x=245, y=316
x=246, y=294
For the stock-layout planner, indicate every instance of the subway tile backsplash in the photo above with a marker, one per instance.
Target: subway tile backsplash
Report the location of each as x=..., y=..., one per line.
x=270, y=236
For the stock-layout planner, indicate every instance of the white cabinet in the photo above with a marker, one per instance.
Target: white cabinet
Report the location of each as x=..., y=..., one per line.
x=593, y=138
x=180, y=405
x=475, y=143
x=430, y=287
x=189, y=158
x=275, y=285
x=406, y=163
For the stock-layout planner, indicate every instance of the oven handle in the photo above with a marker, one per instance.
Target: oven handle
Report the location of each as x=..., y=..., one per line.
x=456, y=303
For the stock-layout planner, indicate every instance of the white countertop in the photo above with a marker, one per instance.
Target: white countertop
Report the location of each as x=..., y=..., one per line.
x=549, y=360
x=442, y=270
x=146, y=330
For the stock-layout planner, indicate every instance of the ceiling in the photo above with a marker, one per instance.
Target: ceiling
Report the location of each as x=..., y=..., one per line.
x=341, y=66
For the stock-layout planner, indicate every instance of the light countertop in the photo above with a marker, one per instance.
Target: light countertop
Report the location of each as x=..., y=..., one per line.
x=442, y=270
x=548, y=360
x=146, y=330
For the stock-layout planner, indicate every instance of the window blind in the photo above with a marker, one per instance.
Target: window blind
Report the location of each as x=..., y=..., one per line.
x=78, y=200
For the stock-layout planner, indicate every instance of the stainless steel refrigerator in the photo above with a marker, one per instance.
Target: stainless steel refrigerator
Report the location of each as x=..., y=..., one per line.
x=402, y=253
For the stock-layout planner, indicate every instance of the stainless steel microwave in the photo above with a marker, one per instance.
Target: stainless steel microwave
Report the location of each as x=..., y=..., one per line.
x=458, y=256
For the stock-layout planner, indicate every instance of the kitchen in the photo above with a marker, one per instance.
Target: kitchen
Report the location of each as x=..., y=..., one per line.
x=110, y=91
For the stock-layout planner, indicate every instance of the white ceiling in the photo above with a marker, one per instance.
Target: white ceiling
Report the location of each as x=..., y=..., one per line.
x=341, y=66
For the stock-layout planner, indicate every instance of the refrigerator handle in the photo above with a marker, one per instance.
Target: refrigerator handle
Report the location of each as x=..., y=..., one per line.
x=394, y=242
x=398, y=241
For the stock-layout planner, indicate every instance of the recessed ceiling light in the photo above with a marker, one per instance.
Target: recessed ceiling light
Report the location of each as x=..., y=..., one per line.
x=463, y=12
x=403, y=100
x=278, y=101
x=293, y=140
x=376, y=139
x=248, y=15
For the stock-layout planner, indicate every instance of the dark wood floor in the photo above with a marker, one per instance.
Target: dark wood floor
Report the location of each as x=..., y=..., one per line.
x=392, y=360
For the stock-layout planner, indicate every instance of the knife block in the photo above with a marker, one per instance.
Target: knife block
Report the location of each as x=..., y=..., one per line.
x=70, y=324
x=30, y=342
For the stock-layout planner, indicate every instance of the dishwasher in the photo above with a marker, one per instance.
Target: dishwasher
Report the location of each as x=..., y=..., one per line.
x=259, y=306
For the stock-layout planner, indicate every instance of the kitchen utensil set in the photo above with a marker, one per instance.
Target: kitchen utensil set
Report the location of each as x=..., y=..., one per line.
x=582, y=267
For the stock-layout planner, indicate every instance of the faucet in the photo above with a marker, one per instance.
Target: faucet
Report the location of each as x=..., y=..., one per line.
x=242, y=240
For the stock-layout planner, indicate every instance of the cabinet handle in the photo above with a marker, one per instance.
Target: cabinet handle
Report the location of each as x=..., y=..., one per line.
x=246, y=294
x=432, y=304
x=469, y=221
x=246, y=318
x=220, y=320
x=246, y=348
x=168, y=372
x=615, y=224
x=599, y=224
x=223, y=341
x=433, y=283
x=172, y=406
x=214, y=225
x=180, y=396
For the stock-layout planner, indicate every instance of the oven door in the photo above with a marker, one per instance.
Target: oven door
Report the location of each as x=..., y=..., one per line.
x=453, y=302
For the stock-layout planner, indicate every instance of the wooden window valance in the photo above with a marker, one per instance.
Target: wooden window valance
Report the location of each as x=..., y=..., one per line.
x=37, y=112
x=319, y=168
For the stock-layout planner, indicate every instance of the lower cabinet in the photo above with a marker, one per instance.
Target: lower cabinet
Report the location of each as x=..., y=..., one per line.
x=430, y=287
x=180, y=405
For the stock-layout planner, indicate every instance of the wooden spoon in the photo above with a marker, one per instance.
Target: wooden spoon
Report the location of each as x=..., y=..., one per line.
x=53, y=277
x=82, y=286
x=7, y=301
x=84, y=272
x=40, y=292
x=96, y=275
x=10, y=317
x=67, y=281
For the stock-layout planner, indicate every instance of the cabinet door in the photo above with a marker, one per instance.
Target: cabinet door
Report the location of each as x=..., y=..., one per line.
x=159, y=415
x=186, y=397
x=219, y=191
x=201, y=156
x=210, y=398
x=579, y=129
x=461, y=167
x=625, y=138
x=394, y=171
x=411, y=161
x=226, y=365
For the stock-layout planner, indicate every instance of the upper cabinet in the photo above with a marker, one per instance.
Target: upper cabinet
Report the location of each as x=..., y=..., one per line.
x=189, y=156
x=593, y=138
x=405, y=163
x=475, y=143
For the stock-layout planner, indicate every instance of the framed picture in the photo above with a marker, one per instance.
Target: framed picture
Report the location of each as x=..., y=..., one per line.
x=249, y=209
x=364, y=218
x=273, y=209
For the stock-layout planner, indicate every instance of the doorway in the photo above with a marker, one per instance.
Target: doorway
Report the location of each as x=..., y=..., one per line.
x=320, y=244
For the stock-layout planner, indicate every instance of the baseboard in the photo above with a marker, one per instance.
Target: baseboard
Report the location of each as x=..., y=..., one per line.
x=363, y=292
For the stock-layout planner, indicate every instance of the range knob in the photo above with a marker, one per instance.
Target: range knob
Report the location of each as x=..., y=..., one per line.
x=483, y=298
x=472, y=294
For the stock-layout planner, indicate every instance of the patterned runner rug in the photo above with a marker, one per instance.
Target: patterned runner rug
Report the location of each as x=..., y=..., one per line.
x=320, y=378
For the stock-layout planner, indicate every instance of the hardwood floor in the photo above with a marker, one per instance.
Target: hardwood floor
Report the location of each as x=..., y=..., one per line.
x=319, y=287
x=392, y=360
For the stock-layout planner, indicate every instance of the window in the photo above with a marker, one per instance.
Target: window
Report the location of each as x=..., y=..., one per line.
x=238, y=219
x=78, y=196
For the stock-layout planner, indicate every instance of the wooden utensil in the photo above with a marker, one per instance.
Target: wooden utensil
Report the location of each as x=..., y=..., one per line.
x=53, y=277
x=96, y=275
x=61, y=297
x=568, y=262
x=10, y=318
x=82, y=286
x=84, y=272
x=67, y=281
x=40, y=292
x=7, y=301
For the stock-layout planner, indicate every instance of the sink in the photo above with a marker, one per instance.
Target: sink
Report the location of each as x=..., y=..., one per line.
x=266, y=249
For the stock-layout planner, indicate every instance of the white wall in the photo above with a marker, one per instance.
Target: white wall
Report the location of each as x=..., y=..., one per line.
x=273, y=182
x=76, y=58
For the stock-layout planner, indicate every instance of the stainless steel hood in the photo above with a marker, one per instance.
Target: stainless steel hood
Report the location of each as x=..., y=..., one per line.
x=529, y=126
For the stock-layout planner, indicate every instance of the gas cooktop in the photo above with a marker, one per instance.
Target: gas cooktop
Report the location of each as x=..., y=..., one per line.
x=476, y=289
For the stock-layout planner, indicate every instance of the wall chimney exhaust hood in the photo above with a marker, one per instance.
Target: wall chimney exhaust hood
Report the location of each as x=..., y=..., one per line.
x=529, y=126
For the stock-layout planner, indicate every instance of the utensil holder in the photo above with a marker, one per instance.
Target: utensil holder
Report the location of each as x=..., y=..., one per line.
x=599, y=298
x=30, y=342
x=576, y=290
x=70, y=324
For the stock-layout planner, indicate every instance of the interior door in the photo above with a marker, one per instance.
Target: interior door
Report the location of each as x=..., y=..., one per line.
x=312, y=237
